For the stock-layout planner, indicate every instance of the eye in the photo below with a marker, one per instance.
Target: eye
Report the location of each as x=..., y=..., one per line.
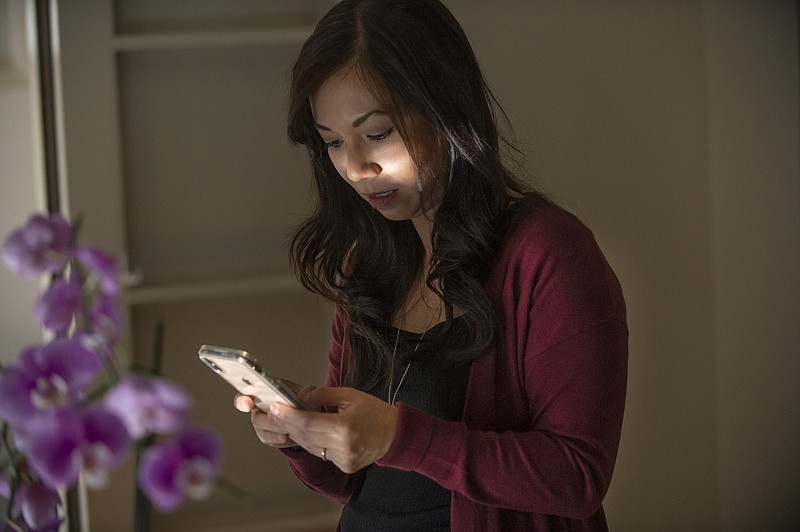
x=381, y=136
x=333, y=145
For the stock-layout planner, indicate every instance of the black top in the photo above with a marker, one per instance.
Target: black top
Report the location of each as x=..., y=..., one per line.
x=391, y=499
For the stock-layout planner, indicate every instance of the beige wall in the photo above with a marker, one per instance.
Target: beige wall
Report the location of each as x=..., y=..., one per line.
x=671, y=128
x=752, y=73
x=21, y=188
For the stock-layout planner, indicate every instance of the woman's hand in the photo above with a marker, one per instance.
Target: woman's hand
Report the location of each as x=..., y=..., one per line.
x=357, y=432
x=262, y=422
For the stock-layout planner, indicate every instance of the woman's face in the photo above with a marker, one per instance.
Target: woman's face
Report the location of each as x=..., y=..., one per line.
x=365, y=147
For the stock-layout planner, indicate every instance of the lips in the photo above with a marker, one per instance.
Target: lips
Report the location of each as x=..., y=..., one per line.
x=381, y=200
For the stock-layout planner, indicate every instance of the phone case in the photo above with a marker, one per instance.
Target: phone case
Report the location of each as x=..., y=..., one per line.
x=243, y=372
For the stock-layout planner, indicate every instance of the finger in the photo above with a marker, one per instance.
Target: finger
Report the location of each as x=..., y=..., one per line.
x=292, y=385
x=306, y=427
x=334, y=396
x=265, y=430
x=296, y=421
x=273, y=439
x=243, y=403
x=302, y=392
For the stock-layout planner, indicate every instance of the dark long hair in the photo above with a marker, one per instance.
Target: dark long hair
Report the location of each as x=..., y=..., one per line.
x=417, y=60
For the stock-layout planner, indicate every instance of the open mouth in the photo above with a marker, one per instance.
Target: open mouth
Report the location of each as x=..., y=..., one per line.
x=381, y=200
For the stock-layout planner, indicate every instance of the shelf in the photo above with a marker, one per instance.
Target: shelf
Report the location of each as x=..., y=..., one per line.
x=211, y=39
x=169, y=293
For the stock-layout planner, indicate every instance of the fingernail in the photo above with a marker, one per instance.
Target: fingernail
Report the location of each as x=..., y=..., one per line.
x=274, y=409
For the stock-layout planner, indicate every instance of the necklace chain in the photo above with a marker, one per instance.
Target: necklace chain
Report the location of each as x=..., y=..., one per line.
x=389, y=397
x=392, y=397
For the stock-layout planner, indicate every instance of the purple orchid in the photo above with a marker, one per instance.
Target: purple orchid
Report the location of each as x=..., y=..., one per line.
x=56, y=430
x=149, y=405
x=185, y=467
x=42, y=245
x=106, y=319
x=36, y=505
x=57, y=306
x=92, y=441
x=101, y=264
x=45, y=378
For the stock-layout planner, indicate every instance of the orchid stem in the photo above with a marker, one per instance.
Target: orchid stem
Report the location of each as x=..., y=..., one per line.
x=232, y=489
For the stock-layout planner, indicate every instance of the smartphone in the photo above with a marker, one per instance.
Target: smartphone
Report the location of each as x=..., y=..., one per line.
x=243, y=372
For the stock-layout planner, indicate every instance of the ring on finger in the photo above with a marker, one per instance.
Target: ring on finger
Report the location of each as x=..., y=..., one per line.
x=323, y=453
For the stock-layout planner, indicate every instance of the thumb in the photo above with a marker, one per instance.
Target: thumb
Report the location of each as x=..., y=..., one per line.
x=243, y=403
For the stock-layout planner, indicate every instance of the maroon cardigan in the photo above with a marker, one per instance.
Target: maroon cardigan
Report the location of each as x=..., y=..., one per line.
x=537, y=443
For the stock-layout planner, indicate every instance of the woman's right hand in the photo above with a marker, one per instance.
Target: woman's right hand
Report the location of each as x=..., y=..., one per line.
x=262, y=422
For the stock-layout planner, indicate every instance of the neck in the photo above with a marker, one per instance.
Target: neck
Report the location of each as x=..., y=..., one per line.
x=424, y=226
x=422, y=307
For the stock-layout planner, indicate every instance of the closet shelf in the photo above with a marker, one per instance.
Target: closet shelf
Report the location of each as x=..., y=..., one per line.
x=284, y=282
x=210, y=39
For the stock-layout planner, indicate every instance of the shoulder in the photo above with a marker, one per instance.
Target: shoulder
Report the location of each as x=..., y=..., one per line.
x=550, y=259
x=536, y=227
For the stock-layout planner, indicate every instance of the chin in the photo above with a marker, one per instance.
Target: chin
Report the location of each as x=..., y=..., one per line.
x=393, y=215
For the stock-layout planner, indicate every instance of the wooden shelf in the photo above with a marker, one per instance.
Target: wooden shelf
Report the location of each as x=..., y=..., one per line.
x=210, y=39
x=266, y=284
x=193, y=93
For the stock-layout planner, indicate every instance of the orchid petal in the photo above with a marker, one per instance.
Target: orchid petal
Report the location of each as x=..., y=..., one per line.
x=158, y=469
x=45, y=378
x=106, y=318
x=198, y=442
x=40, y=246
x=106, y=443
x=149, y=405
x=38, y=506
x=5, y=489
x=56, y=307
x=196, y=478
x=16, y=406
x=102, y=426
x=54, y=449
x=184, y=467
x=70, y=358
x=103, y=265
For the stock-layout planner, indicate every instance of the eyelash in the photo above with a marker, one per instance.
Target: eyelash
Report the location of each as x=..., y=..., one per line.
x=381, y=136
x=336, y=144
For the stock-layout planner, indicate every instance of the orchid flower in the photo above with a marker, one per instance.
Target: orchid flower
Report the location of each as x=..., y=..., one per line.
x=106, y=319
x=53, y=430
x=91, y=440
x=45, y=378
x=40, y=246
x=185, y=467
x=149, y=405
x=56, y=307
x=101, y=264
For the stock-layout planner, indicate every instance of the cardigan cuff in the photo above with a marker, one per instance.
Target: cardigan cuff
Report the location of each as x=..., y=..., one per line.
x=424, y=443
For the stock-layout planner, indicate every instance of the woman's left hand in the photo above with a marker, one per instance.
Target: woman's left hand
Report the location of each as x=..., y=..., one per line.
x=357, y=433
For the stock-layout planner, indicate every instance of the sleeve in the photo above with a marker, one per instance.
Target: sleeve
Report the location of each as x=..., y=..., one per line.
x=325, y=477
x=569, y=344
x=561, y=466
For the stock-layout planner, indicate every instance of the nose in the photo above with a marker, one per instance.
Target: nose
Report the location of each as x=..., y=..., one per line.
x=360, y=165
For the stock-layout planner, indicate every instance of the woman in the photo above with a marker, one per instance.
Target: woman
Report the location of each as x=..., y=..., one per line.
x=477, y=368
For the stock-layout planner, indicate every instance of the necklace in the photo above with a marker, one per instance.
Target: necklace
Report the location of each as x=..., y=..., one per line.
x=391, y=398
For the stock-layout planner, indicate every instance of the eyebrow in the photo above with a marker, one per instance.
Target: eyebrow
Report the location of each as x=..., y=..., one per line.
x=358, y=121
